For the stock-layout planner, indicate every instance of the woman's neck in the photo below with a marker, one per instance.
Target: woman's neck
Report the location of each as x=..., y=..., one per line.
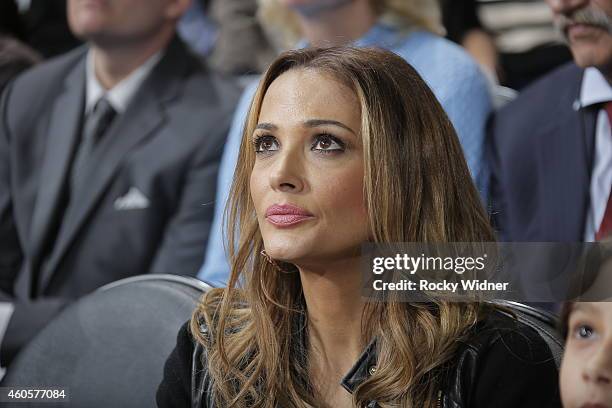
x=333, y=300
x=338, y=26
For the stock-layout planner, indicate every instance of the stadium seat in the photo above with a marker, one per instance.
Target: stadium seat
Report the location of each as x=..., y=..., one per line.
x=109, y=348
x=543, y=322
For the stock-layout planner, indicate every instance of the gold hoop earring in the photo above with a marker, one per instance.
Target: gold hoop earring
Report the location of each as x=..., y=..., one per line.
x=274, y=263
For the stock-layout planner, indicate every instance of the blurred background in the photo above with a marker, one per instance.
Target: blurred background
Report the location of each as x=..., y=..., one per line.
x=514, y=41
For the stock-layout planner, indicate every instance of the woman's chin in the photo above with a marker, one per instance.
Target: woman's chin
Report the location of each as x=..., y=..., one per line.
x=286, y=247
x=279, y=249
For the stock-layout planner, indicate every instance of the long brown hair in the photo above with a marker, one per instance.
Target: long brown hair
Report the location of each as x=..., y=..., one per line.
x=417, y=188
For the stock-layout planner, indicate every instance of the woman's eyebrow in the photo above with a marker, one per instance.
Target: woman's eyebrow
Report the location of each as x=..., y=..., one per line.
x=322, y=122
x=266, y=126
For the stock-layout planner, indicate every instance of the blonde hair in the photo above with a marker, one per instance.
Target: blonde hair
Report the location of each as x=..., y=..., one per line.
x=283, y=29
x=417, y=189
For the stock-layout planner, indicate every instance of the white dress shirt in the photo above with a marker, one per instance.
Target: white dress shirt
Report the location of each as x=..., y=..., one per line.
x=596, y=89
x=121, y=94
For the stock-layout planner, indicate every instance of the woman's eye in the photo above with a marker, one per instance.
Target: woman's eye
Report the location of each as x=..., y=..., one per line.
x=265, y=144
x=327, y=143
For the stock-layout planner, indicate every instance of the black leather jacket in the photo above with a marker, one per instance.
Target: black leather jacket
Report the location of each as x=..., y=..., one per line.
x=504, y=363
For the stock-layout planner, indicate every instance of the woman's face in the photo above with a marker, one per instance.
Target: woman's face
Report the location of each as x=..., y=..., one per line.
x=586, y=371
x=307, y=182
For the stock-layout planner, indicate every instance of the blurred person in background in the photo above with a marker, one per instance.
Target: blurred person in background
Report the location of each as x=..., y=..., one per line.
x=514, y=40
x=108, y=162
x=242, y=47
x=11, y=23
x=551, y=149
x=228, y=33
x=407, y=27
x=15, y=56
x=46, y=26
x=197, y=29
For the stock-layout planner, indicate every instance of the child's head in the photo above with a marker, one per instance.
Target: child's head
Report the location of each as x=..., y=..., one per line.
x=586, y=371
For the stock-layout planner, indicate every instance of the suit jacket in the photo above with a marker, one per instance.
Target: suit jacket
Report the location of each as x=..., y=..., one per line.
x=540, y=148
x=148, y=199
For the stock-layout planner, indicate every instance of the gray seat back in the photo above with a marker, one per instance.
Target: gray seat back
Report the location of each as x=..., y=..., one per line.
x=108, y=349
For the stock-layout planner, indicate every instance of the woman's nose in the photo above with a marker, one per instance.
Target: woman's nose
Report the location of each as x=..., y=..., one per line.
x=287, y=172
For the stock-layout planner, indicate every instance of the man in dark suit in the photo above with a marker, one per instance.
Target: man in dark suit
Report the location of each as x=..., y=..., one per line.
x=551, y=149
x=108, y=162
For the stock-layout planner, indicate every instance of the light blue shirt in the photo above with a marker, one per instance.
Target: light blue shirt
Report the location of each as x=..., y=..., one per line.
x=595, y=89
x=453, y=76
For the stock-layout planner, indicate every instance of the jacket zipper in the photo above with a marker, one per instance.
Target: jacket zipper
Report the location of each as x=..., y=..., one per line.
x=439, y=404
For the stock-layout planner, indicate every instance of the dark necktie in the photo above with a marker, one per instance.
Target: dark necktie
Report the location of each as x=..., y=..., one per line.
x=96, y=124
x=95, y=127
x=605, y=228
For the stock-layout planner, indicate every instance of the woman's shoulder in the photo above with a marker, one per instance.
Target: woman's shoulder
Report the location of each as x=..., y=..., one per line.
x=504, y=362
x=175, y=389
x=186, y=380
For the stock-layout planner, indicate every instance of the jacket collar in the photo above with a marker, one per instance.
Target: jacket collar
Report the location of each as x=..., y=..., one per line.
x=364, y=367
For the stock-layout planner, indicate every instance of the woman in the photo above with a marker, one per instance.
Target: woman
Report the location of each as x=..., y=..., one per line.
x=410, y=29
x=344, y=146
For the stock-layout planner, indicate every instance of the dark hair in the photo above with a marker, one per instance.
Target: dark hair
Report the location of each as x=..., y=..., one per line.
x=10, y=20
x=15, y=57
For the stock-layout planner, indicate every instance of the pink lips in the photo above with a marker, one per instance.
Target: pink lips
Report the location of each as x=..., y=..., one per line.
x=286, y=215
